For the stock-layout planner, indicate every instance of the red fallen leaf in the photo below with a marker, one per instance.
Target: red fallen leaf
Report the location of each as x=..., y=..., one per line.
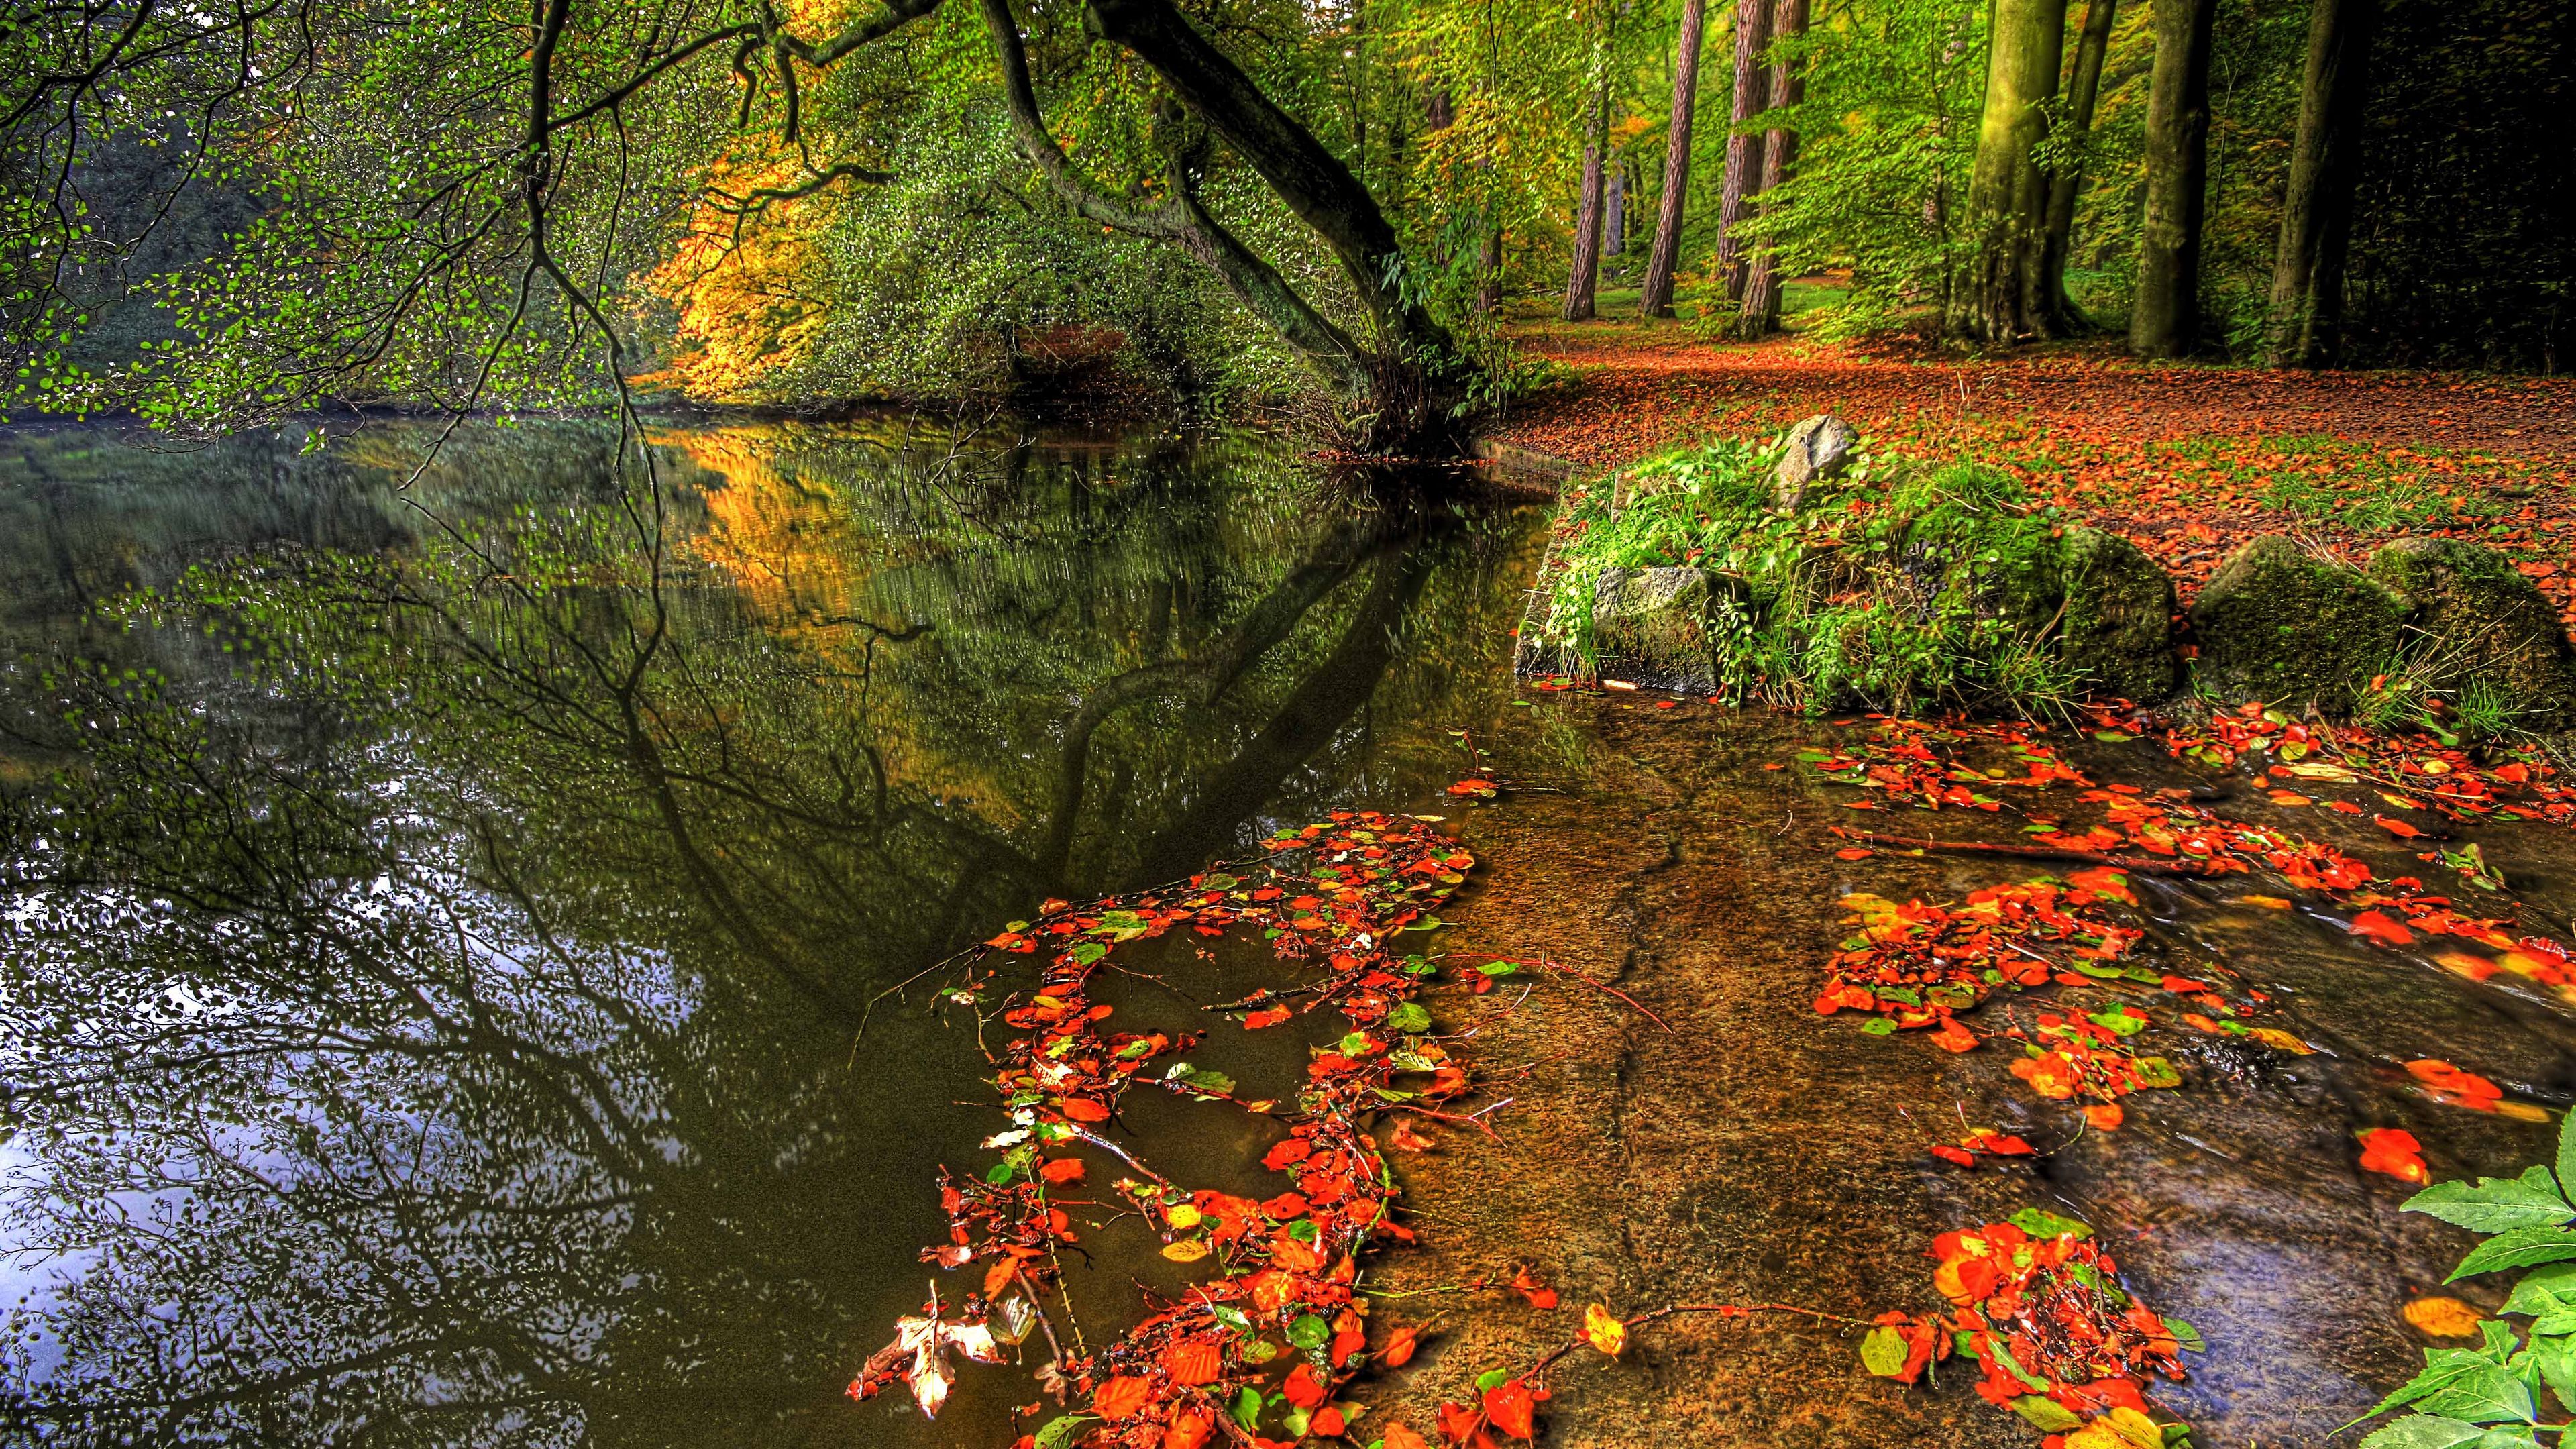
x=1510, y=1407
x=1959, y=1155
x=1193, y=1361
x=1458, y=1422
x=2398, y=828
x=1397, y=1351
x=2004, y=1145
x=1405, y=1139
x=1347, y=1342
x=1284, y=1155
x=1327, y=1422
x=1267, y=1016
x=2513, y=774
x=1302, y=1388
x=1122, y=1396
x=1189, y=1430
x=2344, y=807
x=1952, y=1037
x=1062, y=1170
x=1538, y=1293
x=1853, y=852
x=1481, y=789
x=1083, y=1109
x=2395, y=1152
x=2371, y=925
x=2183, y=985
x=1667, y=704
x=1399, y=1436
x=2105, y=1116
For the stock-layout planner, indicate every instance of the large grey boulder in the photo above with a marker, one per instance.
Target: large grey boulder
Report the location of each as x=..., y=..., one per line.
x=1653, y=626
x=2479, y=618
x=1820, y=447
x=2280, y=625
x=2117, y=627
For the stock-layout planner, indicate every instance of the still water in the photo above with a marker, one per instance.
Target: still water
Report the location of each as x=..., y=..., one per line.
x=452, y=930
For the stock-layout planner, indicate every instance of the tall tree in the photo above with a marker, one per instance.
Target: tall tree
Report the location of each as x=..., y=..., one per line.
x=2166, y=319
x=1758, y=315
x=1743, y=145
x=2007, y=192
x=2083, y=87
x=1588, y=213
x=2306, y=322
x=1655, y=299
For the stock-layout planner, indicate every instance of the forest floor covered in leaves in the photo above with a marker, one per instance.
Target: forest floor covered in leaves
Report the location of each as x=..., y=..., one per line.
x=2188, y=460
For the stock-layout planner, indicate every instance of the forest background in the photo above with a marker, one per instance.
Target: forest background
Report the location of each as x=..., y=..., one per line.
x=219, y=215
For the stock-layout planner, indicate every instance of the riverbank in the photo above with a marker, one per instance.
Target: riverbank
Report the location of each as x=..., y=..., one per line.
x=2188, y=461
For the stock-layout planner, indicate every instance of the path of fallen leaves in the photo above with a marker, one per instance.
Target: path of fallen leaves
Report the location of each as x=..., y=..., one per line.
x=2190, y=461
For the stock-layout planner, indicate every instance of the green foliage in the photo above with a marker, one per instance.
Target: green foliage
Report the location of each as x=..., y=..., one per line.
x=2490, y=1395
x=1901, y=586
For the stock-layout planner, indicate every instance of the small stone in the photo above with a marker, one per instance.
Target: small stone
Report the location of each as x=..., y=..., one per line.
x=2481, y=619
x=1650, y=626
x=2117, y=630
x=2292, y=630
x=1820, y=447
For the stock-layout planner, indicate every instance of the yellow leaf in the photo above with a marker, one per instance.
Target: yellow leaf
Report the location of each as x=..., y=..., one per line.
x=1603, y=1330
x=1187, y=1250
x=2443, y=1317
x=2274, y=1037
x=1182, y=1216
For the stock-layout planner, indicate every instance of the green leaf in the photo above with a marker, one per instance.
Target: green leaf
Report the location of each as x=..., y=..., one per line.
x=2496, y=1204
x=2441, y=1367
x=1883, y=1352
x=2119, y=1022
x=1309, y=1331
x=1409, y=1017
x=1492, y=1379
x=2520, y=1248
x=2157, y=1072
x=2043, y=1224
x=2045, y=1414
x=2487, y=1393
x=1231, y=1316
x=1217, y=1082
x=2567, y=1149
x=1247, y=1407
x=2555, y=1355
x=1878, y=1026
x=1061, y=1430
x=2186, y=1336
x=2003, y=1355
x=1087, y=952
x=2543, y=1290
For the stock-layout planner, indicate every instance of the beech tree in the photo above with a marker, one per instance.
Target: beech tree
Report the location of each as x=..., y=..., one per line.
x=1589, y=213
x=2165, y=319
x=1743, y=145
x=2066, y=178
x=2002, y=298
x=2306, y=321
x=1758, y=314
x=1655, y=298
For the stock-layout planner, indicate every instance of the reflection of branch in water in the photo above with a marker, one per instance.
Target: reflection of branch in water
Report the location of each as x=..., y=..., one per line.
x=1205, y=676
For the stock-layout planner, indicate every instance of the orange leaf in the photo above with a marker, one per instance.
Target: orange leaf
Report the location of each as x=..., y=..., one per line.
x=1193, y=1361
x=1398, y=1350
x=1510, y=1407
x=1083, y=1109
x=1122, y=1397
x=1302, y=1388
x=1853, y=852
x=1060, y=1170
x=2388, y=932
x=1267, y=1016
x=2398, y=828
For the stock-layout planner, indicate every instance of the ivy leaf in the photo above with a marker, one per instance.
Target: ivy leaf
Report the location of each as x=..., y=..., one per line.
x=2497, y=1204
x=2519, y=1248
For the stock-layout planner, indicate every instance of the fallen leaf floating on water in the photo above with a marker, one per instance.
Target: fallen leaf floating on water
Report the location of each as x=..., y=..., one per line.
x=1477, y=788
x=2039, y=1308
x=1603, y=1330
x=919, y=1356
x=2395, y=1152
x=2443, y=1317
x=1337, y=896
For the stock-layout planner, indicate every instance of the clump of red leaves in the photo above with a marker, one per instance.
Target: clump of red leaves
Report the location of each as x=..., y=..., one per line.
x=2038, y=1306
x=1333, y=894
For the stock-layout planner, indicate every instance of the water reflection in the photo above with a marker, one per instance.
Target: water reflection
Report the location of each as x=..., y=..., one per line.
x=439, y=921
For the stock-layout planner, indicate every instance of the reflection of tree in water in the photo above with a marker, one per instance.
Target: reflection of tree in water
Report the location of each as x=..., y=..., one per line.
x=432, y=1019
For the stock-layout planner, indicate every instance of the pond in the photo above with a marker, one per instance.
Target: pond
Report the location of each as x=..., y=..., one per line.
x=471, y=969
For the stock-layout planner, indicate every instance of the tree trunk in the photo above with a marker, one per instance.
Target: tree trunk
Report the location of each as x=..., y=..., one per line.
x=1489, y=269
x=1614, y=241
x=1758, y=315
x=2306, y=323
x=2007, y=192
x=1743, y=148
x=2167, y=318
x=1656, y=300
x=2084, y=86
x=1586, y=276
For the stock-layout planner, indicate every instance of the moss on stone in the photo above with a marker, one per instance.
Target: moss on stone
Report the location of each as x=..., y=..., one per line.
x=2280, y=625
x=2478, y=619
x=2117, y=633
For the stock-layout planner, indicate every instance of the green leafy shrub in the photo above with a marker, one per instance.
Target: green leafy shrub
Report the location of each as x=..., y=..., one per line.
x=2489, y=1396
x=1898, y=586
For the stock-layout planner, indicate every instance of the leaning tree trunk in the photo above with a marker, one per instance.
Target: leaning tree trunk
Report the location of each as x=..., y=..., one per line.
x=1743, y=147
x=1656, y=298
x=2007, y=192
x=2084, y=86
x=2306, y=322
x=2167, y=318
x=1759, y=313
x=1586, y=276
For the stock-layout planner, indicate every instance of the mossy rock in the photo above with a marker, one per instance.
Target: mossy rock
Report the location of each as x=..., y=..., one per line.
x=2478, y=618
x=2117, y=631
x=2282, y=626
x=1652, y=626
